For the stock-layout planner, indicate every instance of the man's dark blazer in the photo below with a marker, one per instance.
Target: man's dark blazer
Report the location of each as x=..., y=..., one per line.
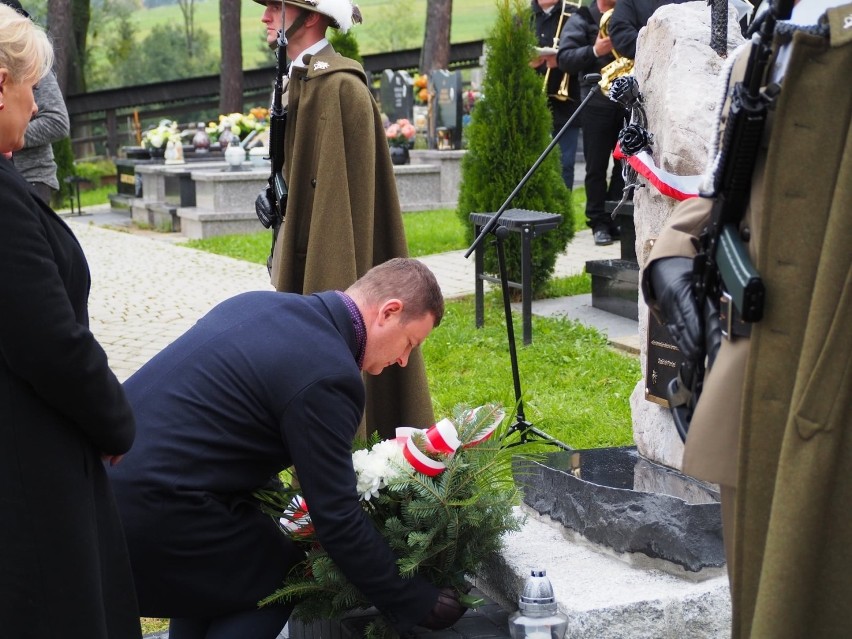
x=64, y=569
x=263, y=381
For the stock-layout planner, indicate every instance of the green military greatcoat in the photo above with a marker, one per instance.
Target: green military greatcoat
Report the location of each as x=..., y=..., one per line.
x=343, y=215
x=775, y=418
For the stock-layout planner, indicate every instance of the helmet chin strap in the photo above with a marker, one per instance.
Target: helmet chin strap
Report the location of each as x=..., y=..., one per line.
x=297, y=24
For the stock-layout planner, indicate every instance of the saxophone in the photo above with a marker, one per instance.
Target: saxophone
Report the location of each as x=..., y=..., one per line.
x=618, y=67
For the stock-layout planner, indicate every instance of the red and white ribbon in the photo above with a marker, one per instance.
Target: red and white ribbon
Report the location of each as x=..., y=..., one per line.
x=441, y=438
x=679, y=187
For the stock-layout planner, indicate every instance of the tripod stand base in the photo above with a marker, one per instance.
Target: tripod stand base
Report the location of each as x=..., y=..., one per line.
x=528, y=431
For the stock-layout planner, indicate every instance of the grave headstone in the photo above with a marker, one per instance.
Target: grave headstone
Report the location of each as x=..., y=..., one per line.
x=397, y=95
x=445, y=128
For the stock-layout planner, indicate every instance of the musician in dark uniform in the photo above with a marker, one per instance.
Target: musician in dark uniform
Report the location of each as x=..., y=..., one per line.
x=584, y=49
x=563, y=90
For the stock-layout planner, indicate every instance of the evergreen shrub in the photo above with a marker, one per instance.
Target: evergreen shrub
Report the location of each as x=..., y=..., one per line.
x=510, y=127
x=346, y=44
x=63, y=155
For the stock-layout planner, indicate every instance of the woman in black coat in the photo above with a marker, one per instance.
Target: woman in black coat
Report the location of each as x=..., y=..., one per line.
x=64, y=569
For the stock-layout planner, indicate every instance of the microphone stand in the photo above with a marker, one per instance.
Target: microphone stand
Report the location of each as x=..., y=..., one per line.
x=521, y=425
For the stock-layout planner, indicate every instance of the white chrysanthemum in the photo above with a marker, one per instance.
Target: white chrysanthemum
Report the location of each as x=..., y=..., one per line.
x=375, y=467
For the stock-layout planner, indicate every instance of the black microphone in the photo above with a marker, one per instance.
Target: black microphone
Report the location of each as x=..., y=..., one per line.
x=591, y=78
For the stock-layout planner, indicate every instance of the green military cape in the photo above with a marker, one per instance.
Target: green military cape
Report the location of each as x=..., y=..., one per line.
x=786, y=446
x=343, y=215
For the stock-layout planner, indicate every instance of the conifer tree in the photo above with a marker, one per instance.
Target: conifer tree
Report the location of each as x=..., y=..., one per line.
x=510, y=127
x=346, y=44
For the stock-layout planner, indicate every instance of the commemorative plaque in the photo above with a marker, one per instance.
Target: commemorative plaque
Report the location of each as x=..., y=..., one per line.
x=664, y=360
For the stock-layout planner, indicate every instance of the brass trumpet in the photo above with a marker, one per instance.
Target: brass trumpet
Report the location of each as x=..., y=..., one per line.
x=562, y=92
x=618, y=67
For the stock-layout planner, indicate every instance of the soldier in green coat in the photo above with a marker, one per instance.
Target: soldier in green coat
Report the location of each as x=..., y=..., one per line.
x=773, y=425
x=343, y=215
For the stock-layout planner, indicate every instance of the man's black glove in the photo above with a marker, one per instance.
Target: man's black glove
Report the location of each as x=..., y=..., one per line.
x=265, y=208
x=446, y=611
x=671, y=279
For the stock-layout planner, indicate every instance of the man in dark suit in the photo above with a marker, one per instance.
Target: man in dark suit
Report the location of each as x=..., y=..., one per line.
x=263, y=382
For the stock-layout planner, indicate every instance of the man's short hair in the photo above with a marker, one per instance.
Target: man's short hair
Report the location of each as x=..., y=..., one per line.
x=405, y=279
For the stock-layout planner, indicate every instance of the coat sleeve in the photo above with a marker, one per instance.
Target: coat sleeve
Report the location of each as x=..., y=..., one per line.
x=51, y=123
x=624, y=28
x=679, y=238
x=319, y=428
x=576, y=54
x=44, y=339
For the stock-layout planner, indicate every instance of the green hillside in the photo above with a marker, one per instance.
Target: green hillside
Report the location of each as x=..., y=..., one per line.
x=471, y=21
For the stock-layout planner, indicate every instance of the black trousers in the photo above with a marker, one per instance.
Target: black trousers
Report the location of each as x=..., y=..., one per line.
x=602, y=121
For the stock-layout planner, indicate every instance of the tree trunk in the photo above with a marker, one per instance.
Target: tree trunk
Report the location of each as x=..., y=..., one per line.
x=69, y=23
x=231, y=79
x=436, y=41
x=187, y=9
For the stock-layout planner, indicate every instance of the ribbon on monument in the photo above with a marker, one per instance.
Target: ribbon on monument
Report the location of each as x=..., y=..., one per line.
x=678, y=187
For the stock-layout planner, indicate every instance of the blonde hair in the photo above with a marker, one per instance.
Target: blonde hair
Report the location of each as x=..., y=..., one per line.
x=25, y=50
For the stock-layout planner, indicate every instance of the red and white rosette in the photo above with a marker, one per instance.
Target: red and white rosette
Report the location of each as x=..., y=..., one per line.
x=442, y=438
x=296, y=520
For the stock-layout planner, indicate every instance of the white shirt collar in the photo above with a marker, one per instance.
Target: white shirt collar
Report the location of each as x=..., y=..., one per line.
x=315, y=47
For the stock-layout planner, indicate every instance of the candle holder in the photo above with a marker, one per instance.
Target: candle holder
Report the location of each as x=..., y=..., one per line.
x=538, y=616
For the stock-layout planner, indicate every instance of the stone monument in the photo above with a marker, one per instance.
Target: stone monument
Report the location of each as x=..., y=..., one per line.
x=674, y=68
x=634, y=546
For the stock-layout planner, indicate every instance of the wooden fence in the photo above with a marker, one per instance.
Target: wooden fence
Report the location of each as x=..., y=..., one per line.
x=103, y=121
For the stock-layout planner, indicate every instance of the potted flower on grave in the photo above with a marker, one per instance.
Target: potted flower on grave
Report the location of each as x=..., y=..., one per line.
x=238, y=127
x=156, y=139
x=400, y=135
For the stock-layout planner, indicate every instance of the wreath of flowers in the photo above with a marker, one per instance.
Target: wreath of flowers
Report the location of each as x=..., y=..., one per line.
x=442, y=498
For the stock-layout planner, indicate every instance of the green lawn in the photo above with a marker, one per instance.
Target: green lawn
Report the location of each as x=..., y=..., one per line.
x=471, y=21
x=427, y=233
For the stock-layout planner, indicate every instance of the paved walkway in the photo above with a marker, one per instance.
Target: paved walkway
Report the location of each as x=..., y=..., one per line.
x=147, y=289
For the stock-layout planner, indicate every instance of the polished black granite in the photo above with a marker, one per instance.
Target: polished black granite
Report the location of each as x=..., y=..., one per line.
x=615, y=286
x=614, y=497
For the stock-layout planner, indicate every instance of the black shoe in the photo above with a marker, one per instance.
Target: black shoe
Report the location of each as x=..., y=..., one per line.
x=615, y=232
x=602, y=237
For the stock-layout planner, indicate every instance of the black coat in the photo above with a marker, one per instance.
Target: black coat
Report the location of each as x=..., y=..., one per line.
x=545, y=26
x=576, y=47
x=64, y=569
x=264, y=381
